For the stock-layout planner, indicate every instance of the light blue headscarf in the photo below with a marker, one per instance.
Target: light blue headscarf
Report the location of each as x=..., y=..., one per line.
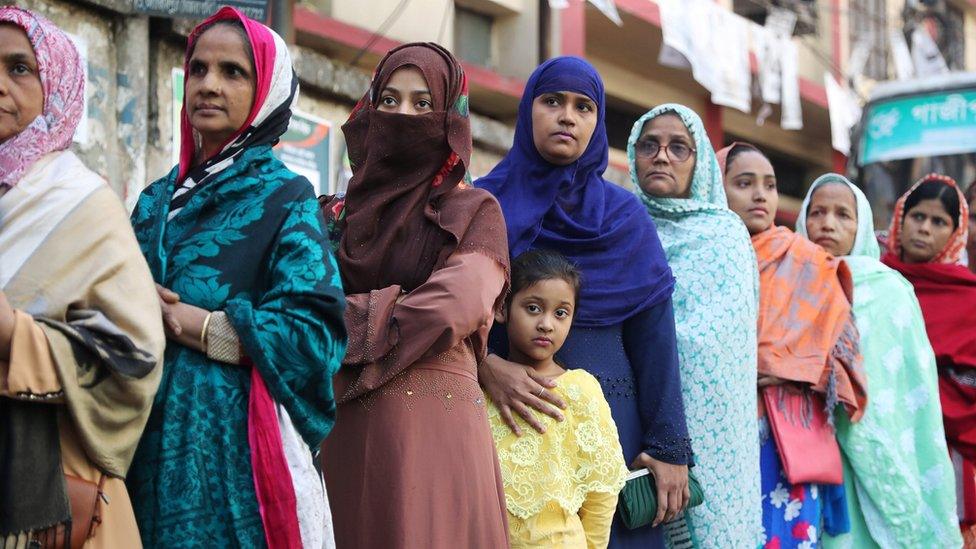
x=865, y=243
x=715, y=307
x=897, y=473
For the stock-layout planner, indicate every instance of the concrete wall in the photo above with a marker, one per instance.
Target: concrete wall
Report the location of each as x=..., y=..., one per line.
x=515, y=28
x=516, y=39
x=969, y=30
x=816, y=52
x=419, y=20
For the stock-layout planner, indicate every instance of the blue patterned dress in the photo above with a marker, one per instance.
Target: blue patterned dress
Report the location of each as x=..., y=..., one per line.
x=250, y=242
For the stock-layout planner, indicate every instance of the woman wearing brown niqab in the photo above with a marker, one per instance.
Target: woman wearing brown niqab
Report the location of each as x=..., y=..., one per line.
x=424, y=263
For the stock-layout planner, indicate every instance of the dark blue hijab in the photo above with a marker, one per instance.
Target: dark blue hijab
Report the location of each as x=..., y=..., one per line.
x=599, y=226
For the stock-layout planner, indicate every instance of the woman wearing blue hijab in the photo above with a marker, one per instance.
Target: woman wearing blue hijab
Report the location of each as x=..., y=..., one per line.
x=552, y=192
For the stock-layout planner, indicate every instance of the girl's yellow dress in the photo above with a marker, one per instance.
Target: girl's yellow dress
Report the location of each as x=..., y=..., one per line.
x=561, y=487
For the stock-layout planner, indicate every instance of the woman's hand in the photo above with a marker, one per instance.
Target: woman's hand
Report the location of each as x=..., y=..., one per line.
x=183, y=322
x=7, y=321
x=516, y=387
x=167, y=301
x=765, y=381
x=673, y=493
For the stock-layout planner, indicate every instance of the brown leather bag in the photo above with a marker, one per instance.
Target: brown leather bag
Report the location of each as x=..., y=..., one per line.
x=85, y=498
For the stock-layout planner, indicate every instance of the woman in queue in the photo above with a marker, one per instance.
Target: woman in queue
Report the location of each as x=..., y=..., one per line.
x=424, y=264
x=715, y=305
x=897, y=473
x=925, y=243
x=551, y=189
x=81, y=338
x=808, y=351
x=252, y=305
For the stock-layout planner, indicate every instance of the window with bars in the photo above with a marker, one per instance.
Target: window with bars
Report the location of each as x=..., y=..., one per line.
x=757, y=10
x=953, y=45
x=472, y=36
x=945, y=24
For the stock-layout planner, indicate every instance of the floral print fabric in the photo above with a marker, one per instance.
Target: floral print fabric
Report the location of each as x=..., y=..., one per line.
x=63, y=84
x=251, y=243
x=792, y=514
x=897, y=473
x=573, y=458
x=715, y=309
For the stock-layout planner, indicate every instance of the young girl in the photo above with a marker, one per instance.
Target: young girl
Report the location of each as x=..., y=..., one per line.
x=561, y=487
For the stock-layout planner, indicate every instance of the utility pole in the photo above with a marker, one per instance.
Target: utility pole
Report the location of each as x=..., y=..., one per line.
x=280, y=18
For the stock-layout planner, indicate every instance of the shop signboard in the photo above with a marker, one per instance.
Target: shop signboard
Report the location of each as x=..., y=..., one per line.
x=198, y=9
x=306, y=149
x=920, y=126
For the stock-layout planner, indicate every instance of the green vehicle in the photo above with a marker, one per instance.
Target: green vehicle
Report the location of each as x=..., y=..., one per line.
x=910, y=128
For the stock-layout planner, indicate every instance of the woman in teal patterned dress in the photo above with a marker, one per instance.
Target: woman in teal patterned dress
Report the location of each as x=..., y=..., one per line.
x=253, y=307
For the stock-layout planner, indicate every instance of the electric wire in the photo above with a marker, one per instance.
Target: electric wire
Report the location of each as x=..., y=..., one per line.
x=380, y=31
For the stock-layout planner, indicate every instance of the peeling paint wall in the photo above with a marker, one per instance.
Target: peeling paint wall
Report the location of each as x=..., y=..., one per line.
x=164, y=57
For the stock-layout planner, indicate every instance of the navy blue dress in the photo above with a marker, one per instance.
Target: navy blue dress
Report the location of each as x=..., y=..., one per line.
x=636, y=363
x=624, y=327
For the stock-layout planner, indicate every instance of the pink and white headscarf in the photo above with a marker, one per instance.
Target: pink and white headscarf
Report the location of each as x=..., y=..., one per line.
x=276, y=90
x=63, y=84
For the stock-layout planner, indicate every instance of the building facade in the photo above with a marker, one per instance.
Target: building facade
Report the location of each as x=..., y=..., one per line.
x=128, y=136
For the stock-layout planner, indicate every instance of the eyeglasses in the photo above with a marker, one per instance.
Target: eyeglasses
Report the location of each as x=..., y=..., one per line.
x=676, y=151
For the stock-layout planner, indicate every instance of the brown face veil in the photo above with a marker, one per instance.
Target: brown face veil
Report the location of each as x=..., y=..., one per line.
x=403, y=169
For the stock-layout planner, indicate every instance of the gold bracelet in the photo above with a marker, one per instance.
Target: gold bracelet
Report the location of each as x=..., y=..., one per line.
x=203, y=332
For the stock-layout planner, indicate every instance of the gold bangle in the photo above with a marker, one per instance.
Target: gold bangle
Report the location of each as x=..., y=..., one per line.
x=203, y=332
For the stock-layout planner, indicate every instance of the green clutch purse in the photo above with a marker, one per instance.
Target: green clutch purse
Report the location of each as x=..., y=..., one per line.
x=638, y=500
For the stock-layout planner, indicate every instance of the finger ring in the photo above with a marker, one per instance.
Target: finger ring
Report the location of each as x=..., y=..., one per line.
x=541, y=390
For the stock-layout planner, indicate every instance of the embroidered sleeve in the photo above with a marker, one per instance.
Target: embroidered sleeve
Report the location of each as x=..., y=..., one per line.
x=223, y=345
x=388, y=334
x=372, y=332
x=652, y=348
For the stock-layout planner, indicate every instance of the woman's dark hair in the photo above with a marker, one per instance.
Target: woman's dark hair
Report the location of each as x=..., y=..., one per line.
x=534, y=266
x=971, y=191
x=935, y=189
x=738, y=149
x=234, y=24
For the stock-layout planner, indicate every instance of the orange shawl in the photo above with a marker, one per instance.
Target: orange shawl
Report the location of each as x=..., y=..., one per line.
x=806, y=331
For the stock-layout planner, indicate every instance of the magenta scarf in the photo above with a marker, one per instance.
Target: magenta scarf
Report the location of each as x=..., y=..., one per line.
x=63, y=84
